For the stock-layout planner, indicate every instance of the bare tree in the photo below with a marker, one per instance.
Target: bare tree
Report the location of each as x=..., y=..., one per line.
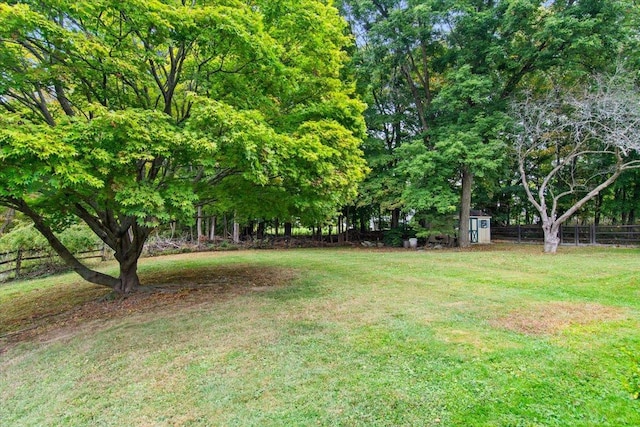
x=580, y=142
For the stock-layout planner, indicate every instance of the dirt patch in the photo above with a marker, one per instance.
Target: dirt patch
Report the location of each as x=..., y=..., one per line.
x=550, y=318
x=174, y=291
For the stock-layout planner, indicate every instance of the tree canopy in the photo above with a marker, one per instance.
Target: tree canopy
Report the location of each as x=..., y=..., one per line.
x=130, y=115
x=124, y=115
x=439, y=75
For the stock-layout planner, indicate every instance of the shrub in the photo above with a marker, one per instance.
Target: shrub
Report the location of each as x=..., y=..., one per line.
x=395, y=236
x=22, y=238
x=76, y=238
x=79, y=238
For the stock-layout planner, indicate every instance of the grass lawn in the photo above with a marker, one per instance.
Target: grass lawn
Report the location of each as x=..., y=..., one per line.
x=497, y=336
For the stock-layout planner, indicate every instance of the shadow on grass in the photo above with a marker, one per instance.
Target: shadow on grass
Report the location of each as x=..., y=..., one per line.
x=38, y=315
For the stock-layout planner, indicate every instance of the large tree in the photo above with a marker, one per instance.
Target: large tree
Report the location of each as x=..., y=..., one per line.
x=396, y=42
x=124, y=115
x=581, y=140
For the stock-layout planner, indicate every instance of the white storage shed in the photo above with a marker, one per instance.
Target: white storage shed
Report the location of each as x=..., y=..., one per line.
x=479, y=227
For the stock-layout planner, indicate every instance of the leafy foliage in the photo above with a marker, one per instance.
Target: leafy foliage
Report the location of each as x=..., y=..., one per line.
x=438, y=74
x=396, y=236
x=126, y=115
x=76, y=238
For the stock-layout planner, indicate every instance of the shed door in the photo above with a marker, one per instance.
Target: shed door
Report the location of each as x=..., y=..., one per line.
x=473, y=230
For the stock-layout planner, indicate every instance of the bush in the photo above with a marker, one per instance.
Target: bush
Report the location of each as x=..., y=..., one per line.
x=395, y=236
x=23, y=238
x=77, y=238
x=434, y=224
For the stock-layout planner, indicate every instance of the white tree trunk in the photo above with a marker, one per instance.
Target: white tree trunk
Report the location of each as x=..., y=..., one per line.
x=199, y=224
x=551, y=231
x=236, y=232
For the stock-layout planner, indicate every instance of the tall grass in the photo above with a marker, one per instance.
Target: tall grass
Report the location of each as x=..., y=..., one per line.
x=505, y=336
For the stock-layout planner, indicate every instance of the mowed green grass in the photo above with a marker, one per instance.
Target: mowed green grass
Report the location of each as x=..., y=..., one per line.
x=499, y=336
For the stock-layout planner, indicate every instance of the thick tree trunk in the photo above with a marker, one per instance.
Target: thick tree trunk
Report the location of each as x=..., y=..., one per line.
x=129, y=280
x=551, y=236
x=287, y=229
x=464, y=240
x=62, y=251
x=127, y=244
x=395, y=218
x=127, y=252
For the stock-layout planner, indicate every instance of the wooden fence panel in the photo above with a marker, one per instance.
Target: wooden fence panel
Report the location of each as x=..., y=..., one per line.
x=518, y=233
x=16, y=260
x=572, y=234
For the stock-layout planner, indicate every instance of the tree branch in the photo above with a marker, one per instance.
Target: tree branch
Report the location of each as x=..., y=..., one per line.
x=85, y=272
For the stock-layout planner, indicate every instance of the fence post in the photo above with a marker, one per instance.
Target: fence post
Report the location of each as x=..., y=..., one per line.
x=519, y=234
x=577, y=234
x=593, y=234
x=18, y=263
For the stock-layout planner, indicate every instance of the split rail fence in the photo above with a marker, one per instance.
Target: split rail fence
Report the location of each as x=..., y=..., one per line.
x=572, y=234
x=17, y=264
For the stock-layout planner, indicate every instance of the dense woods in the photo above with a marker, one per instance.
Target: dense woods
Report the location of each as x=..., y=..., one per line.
x=236, y=117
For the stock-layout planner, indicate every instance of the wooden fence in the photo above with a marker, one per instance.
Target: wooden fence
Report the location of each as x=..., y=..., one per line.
x=572, y=234
x=18, y=263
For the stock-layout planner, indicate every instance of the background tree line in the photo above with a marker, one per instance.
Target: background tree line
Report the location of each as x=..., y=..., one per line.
x=441, y=77
x=131, y=117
